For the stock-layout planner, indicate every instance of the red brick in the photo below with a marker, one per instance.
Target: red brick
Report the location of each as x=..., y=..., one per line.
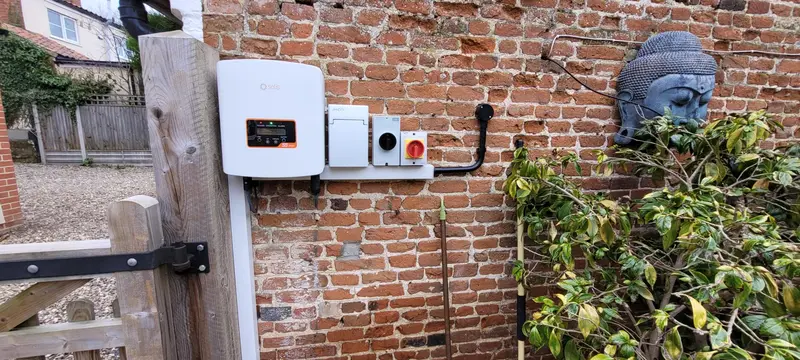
x=337, y=219
x=348, y=34
x=403, y=261
x=355, y=347
x=427, y=91
x=530, y=96
x=460, y=93
x=474, y=45
x=377, y=88
x=386, y=317
x=332, y=50
x=413, y=6
x=455, y=9
x=600, y=52
x=479, y=27
x=405, y=22
x=385, y=344
x=272, y=27
x=223, y=23
x=395, y=57
x=298, y=11
x=368, y=54
x=383, y=276
x=360, y=264
x=302, y=30
x=386, y=233
x=345, y=335
x=727, y=33
x=343, y=279
x=371, y=17
x=381, y=290
x=302, y=48
x=259, y=46
x=508, y=29
x=381, y=72
x=392, y=38
x=789, y=66
x=334, y=15
x=356, y=320
x=262, y=7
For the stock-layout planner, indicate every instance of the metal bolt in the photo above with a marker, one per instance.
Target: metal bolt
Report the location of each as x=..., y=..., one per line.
x=201, y=268
x=132, y=262
x=200, y=247
x=33, y=269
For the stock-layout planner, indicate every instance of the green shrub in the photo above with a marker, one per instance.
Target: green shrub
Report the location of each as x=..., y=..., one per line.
x=28, y=76
x=701, y=269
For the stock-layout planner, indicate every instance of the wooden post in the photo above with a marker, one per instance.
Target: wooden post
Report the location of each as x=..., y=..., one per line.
x=82, y=310
x=37, y=124
x=181, y=98
x=115, y=310
x=31, y=322
x=81, y=135
x=135, y=226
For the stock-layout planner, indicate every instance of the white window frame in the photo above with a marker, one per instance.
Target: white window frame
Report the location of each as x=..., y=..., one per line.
x=120, y=43
x=63, y=35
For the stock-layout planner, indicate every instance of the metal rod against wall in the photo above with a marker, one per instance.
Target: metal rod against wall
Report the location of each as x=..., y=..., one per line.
x=520, y=294
x=445, y=282
x=722, y=52
x=520, y=289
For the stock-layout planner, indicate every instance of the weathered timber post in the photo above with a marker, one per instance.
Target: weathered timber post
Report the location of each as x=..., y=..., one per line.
x=144, y=296
x=181, y=97
x=82, y=310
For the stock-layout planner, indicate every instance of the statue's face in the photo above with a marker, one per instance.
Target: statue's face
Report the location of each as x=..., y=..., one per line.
x=686, y=96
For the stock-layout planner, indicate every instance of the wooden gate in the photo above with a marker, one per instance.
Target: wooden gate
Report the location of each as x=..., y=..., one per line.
x=141, y=324
x=109, y=129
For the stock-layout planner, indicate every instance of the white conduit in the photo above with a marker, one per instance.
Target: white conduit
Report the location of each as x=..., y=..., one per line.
x=725, y=52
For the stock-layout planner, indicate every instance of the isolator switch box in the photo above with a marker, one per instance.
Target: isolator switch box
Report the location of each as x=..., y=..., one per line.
x=348, y=135
x=386, y=140
x=414, y=148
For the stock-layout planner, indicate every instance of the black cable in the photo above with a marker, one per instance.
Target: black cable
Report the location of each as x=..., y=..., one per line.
x=545, y=57
x=251, y=195
x=484, y=113
x=315, y=189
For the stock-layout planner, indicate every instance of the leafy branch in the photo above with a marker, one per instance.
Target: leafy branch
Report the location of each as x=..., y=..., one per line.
x=719, y=241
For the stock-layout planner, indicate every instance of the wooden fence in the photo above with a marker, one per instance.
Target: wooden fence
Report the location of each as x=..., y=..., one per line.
x=141, y=324
x=108, y=129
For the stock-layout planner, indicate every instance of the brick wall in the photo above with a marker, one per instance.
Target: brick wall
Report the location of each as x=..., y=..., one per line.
x=11, y=12
x=9, y=195
x=4, y=5
x=432, y=62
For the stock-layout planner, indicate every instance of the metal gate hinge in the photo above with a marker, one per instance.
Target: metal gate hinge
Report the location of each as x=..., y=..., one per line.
x=183, y=258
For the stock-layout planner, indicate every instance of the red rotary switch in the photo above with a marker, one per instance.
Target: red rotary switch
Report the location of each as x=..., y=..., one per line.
x=415, y=149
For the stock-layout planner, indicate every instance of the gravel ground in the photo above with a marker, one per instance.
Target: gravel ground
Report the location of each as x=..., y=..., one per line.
x=69, y=203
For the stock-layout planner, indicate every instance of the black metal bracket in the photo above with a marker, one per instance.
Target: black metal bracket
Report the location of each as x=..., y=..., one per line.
x=183, y=258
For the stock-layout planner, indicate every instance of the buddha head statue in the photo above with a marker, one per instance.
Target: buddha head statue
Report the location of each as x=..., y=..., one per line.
x=670, y=72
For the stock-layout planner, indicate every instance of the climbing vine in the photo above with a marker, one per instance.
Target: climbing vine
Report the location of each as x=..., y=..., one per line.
x=705, y=267
x=28, y=76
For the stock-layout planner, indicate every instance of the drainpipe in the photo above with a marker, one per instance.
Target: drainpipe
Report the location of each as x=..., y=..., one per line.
x=134, y=17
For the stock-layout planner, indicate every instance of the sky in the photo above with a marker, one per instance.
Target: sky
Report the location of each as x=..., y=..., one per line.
x=104, y=8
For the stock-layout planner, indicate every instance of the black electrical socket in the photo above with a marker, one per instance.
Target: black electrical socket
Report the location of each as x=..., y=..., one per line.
x=387, y=141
